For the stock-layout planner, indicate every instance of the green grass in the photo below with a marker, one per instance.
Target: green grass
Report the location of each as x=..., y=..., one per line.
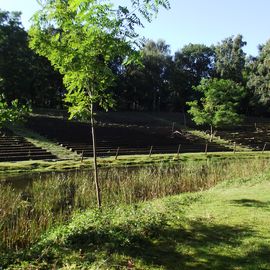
x=51, y=198
x=13, y=168
x=219, y=229
x=225, y=227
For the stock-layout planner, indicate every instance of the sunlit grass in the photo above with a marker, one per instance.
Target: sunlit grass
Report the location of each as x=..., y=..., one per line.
x=52, y=199
x=224, y=227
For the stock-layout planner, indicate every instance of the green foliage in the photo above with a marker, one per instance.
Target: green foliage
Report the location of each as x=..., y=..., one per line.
x=230, y=58
x=25, y=76
x=53, y=198
x=156, y=60
x=10, y=114
x=92, y=43
x=196, y=60
x=218, y=106
x=150, y=81
x=13, y=56
x=191, y=64
x=81, y=38
x=259, y=77
x=222, y=228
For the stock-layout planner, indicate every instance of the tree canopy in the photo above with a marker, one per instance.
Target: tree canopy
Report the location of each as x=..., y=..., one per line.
x=81, y=39
x=162, y=81
x=156, y=61
x=197, y=60
x=14, y=55
x=230, y=58
x=259, y=77
x=25, y=75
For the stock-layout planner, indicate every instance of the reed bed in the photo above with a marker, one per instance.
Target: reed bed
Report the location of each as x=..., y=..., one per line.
x=25, y=214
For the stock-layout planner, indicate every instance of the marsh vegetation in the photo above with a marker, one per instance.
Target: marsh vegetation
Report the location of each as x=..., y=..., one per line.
x=47, y=200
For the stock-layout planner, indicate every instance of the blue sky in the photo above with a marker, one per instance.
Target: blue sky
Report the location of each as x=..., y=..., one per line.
x=193, y=21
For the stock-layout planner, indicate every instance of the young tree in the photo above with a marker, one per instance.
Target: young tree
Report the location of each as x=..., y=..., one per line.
x=13, y=112
x=81, y=38
x=218, y=106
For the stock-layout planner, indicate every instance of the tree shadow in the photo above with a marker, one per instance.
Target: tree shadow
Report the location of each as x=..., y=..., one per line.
x=251, y=203
x=201, y=246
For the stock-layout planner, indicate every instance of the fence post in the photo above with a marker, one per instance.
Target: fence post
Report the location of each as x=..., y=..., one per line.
x=117, y=152
x=150, y=152
x=234, y=147
x=264, y=147
x=178, y=150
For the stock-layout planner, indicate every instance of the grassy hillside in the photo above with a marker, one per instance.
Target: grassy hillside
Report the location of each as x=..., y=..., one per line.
x=226, y=227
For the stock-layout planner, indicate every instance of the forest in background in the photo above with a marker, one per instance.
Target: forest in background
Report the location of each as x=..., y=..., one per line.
x=164, y=82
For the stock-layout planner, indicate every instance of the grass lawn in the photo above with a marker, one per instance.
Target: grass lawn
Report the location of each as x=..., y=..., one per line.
x=226, y=227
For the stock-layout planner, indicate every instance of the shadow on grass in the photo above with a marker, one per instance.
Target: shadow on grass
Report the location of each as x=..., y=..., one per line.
x=201, y=246
x=251, y=203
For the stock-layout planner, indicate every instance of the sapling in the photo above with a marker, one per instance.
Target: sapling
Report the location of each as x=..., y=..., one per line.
x=81, y=39
x=218, y=105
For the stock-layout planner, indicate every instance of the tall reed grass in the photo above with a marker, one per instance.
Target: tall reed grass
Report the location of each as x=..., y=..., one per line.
x=51, y=199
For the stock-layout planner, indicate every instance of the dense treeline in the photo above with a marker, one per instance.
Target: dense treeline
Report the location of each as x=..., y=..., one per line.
x=23, y=74
x=167, y=82
x=163, y=82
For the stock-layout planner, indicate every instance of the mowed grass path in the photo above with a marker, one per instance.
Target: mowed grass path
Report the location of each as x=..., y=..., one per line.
x=226, y=227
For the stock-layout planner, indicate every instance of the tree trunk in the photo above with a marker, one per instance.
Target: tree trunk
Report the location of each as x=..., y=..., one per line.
x=95, y=159
x=211, y=133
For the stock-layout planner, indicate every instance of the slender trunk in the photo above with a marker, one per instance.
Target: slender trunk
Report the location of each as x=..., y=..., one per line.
x=95, y=159
x=211, y=133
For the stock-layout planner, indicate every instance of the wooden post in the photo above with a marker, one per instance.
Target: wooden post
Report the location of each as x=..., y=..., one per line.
x=264, y=147
x=178, y=150
x=150, y=152
x=206, y=148
x=117, y=152
x=234, y=147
